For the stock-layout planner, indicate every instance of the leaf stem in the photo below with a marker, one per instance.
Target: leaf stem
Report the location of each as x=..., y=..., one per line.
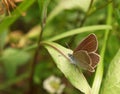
x=35, y=60
x=43, y=11
x=48, y=43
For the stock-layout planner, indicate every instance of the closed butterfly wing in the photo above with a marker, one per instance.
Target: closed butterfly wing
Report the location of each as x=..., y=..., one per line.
x=89, y=44
x=95, y=58
x=83, y=60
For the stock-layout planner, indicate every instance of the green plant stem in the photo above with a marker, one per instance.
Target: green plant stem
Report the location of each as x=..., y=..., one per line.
x=92, y=11
x=32, y=66
x=99, y=72
x=43, y=12
x=35, y=60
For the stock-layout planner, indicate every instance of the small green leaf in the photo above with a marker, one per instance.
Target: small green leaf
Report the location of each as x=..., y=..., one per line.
x=74, y=75
x=111, y=84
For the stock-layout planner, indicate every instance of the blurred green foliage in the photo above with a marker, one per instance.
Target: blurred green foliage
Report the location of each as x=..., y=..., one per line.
x=67, y=22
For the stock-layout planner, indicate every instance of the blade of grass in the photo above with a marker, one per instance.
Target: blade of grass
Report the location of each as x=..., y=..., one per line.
x=79, y=30
x=73, y=32
x=99, y=72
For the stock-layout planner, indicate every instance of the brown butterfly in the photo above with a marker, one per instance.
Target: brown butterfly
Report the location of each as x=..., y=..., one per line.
x=84, y=55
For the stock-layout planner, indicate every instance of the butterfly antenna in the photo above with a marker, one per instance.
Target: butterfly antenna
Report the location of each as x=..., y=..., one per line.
x=67, y=45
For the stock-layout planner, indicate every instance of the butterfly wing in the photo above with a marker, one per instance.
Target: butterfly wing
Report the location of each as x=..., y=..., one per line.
x=89, y=44
x=83, y=60
x=95, y=58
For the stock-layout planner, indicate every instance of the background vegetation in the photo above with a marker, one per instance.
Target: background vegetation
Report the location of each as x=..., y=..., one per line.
x=33, y=37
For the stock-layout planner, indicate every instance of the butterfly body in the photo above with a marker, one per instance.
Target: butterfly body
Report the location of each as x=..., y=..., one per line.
x=72, y=59
x=85, y=56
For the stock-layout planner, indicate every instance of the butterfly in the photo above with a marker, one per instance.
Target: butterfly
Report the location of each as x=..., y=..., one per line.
x=84, y=55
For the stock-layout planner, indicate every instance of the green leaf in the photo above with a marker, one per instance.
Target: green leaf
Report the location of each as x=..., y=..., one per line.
x=74, y=75
x=111, y=84
x=12, y=58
